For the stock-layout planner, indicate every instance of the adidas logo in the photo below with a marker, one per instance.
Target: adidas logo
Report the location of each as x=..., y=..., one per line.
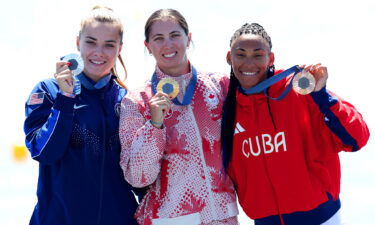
x=238, y=128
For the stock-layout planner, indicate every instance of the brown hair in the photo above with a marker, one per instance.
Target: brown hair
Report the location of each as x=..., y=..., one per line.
x=104, y=14
x=163, y=14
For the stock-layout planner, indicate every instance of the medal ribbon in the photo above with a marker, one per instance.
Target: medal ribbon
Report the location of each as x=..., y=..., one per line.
x=264, y=85
x=189, y=89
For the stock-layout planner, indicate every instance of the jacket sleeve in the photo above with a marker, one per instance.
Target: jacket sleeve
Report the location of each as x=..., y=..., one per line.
x=142, y=145
x=48, y=123
x=343, y=120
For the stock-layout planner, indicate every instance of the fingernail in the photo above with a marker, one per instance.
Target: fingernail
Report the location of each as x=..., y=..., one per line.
x=69, y=63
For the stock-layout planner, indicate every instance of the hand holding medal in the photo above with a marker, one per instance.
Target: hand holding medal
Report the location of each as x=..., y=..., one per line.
x=312, y=78
x=69, y=66
x=159, y=106
x=160, y=103
x=305, y=80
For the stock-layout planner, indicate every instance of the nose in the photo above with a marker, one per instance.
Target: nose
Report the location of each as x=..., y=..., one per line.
x=99, y=51
x=168, y=43
x=249, y=61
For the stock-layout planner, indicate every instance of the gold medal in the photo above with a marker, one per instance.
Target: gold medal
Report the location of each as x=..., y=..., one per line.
x=304, y=83
x=169, y=87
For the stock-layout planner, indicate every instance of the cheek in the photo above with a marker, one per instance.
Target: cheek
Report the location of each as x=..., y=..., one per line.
x=235, y=63
x=182, y=45
x=112, y=52
x=85, y=50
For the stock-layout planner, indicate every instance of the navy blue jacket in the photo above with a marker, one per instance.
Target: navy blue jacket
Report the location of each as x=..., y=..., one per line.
x=76, y=143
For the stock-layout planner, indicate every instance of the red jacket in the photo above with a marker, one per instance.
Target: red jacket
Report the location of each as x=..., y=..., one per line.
x=285, y=153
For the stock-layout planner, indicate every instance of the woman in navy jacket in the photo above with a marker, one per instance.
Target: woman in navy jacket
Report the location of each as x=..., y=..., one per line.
x=71, y=129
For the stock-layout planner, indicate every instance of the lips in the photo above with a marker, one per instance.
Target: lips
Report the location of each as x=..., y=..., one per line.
x=170, y=55
x=248, y=73
x=97, y=62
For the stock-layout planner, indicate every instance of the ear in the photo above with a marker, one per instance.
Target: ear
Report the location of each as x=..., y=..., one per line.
x=272, y=59
x=119, y=51
x=189, y=40
x=229, y=58
x=146, y=44
x=77, y=43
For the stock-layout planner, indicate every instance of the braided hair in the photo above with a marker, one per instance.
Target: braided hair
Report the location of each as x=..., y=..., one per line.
x=229, y=107
x=252, y=28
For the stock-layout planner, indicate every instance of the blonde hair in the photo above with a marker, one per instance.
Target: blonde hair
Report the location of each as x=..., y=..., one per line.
x=104, y=14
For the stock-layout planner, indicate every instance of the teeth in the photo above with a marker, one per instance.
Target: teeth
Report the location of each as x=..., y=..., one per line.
x=97, y=62
x=170, y=55
x=249, y=73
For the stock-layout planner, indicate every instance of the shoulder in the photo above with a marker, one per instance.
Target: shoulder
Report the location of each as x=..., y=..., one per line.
x=118, y=90
x=215, y=81
x=138, y=97
x=218, y=76
x=47, y=84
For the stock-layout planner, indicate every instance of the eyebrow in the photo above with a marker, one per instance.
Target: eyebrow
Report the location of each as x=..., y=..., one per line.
x=94, y=39
x=257, y=49
x=172, y=32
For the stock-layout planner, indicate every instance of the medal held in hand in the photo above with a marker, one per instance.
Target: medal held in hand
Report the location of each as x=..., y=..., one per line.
x=75, y=63
x=304, y=83
x=169, y=87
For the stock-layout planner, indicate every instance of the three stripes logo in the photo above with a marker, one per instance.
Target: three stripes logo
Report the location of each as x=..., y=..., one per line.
x=238, y=129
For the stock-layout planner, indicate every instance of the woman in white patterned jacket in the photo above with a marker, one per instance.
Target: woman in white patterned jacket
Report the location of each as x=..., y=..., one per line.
x=173, y=145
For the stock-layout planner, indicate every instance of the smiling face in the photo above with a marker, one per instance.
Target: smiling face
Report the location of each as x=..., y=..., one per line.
x=168, y=43
x=99, y=44
x=250, y=58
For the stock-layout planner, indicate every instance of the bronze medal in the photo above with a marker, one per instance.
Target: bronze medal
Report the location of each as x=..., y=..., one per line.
x=304, y=83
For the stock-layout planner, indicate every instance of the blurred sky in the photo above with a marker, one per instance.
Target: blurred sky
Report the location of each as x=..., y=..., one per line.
x=339, y=34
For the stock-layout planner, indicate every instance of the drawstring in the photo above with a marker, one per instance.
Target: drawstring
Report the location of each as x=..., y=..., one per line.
x=281, y=219
x=270, y=113
x=274, y=126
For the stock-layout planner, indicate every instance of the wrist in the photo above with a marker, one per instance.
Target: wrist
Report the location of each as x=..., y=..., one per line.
x=156, y=124
x=67, y=94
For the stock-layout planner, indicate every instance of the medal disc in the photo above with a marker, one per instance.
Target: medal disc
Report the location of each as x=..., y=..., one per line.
x=169, y=87
x=76, y=63
x=304, y=83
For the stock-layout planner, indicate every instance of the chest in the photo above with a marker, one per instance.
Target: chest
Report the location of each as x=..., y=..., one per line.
x=268, y=127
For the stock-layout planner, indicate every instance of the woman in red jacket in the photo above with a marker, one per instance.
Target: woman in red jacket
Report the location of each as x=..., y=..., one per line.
x=282, y=155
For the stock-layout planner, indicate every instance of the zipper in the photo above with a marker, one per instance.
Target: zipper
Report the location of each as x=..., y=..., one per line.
x=206, y=174
x=266, y=165
x=101, y=102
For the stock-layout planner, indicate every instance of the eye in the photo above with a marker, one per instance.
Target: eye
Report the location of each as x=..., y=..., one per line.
x=158, y=39
x=110, y=45
x=240, y=55
x=175, y=35
x=90, y=42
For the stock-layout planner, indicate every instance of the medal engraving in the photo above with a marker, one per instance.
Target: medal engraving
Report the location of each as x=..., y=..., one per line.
x=169, y=87
x=75, y=63
x=304, y=83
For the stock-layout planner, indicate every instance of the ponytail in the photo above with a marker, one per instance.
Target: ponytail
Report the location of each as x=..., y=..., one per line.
x=114, y=72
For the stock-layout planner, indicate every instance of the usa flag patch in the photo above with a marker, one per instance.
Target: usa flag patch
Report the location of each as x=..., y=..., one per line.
x=36, y=98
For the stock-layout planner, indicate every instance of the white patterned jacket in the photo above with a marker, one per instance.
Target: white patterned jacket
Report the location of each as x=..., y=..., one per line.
x=181, y=162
